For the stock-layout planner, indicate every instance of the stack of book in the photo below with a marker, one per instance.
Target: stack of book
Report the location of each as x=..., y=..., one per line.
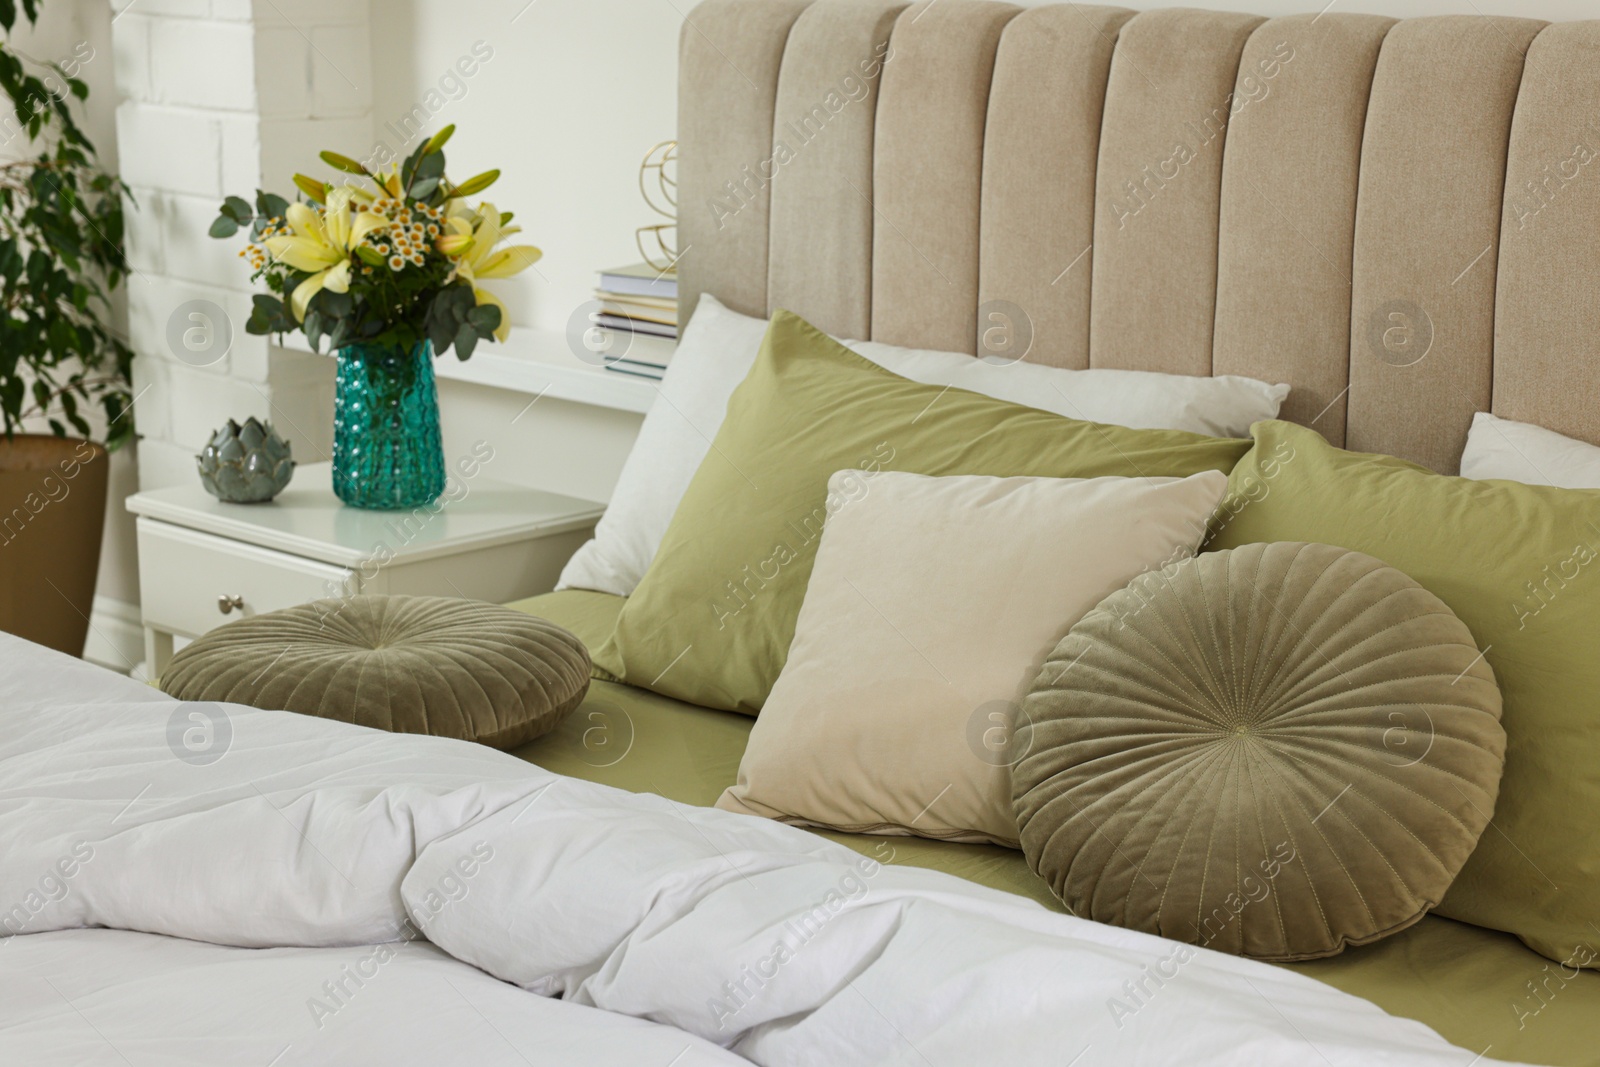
x=643, y=301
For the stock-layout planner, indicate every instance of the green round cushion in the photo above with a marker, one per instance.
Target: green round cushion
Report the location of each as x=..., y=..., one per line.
x=1276, y=751
x=421, y=665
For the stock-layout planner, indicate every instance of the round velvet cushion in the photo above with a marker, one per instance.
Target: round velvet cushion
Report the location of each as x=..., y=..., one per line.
x=421, y=665
x=1276, y=751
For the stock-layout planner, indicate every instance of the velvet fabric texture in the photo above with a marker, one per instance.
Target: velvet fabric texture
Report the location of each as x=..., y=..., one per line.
x=1276, y=751
x=420, y=665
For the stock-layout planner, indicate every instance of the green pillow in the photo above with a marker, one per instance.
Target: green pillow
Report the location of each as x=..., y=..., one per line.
x=1517, y=564
x=712, y=620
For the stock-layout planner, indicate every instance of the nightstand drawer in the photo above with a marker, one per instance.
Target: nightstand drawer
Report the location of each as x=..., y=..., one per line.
x=184, y=574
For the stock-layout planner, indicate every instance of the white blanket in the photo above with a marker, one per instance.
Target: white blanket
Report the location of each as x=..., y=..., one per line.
x=334, y=847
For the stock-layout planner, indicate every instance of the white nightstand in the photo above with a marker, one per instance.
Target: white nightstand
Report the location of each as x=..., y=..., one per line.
x=203, y=563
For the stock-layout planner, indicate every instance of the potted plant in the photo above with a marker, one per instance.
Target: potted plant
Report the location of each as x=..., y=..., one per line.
x=385, y=267
x=61, y=364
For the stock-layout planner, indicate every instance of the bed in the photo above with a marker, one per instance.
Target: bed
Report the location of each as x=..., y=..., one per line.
x=1335, y=225
x=1019, y=163
x=1463, y=981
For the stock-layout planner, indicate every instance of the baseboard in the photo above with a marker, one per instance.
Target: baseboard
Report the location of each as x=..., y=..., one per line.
x=116, y=635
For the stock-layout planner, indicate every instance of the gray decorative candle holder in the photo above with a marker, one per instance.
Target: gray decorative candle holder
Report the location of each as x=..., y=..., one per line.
x=247, y=464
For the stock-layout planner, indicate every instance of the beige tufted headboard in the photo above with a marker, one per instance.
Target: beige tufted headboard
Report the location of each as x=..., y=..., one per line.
x=1400, y=219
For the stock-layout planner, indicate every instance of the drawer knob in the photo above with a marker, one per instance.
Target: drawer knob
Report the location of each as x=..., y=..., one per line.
x=227, y=604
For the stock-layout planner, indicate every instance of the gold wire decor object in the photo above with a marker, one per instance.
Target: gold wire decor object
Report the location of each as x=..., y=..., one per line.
x=658, y=184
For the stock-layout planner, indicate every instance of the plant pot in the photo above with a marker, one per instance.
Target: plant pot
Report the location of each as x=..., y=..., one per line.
x=387, y=451
x=52, y=512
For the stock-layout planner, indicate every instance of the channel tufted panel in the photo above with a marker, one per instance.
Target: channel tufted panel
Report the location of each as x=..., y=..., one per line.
x=821, y=260
x=1427, y=226
x=932, y=109
x=1039, y=158
x=1399, y=219
x=1289, y=209
x=1160, y=175
x=1547, y=358
x=729, y=52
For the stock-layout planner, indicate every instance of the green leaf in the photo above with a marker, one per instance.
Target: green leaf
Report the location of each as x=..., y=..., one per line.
x=426, y=187
x=271, y=205
x=408, y=169
x=466, y=341
x=223, y=227
x=486, y=318
x=336, y=305
x=238, y=209
x=441, y=326
x=463, y=300
x=344, y=163
x=69, y=406
x=431, y=166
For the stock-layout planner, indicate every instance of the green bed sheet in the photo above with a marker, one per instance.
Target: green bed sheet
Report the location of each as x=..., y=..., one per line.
x=1481, y=989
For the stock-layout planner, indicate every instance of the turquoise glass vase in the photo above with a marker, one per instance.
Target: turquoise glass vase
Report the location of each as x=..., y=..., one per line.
x=387, y=452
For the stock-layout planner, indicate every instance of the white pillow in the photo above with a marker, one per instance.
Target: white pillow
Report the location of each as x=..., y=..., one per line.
x=715, y=353
x=1523, y=452
x=933, y=605
x=719, y=347
x=1225, y=406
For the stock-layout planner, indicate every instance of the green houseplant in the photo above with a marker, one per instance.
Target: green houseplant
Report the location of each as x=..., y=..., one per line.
x=61, y=362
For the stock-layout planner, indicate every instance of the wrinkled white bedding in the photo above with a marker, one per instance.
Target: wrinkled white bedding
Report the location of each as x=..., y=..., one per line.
x=311, y=855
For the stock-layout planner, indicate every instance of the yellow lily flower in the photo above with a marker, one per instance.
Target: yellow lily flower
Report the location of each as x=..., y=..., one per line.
x=388, y=184
x=479, y=259
x=322, y=244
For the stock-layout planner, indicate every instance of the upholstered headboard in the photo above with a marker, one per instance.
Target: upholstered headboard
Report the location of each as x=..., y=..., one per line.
x=1400, y=219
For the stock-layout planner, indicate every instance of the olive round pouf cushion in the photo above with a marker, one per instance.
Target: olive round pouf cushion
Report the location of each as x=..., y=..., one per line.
x=1275, y=751
x=420, y=665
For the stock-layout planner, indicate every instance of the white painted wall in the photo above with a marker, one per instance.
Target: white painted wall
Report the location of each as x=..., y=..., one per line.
x=573, y=95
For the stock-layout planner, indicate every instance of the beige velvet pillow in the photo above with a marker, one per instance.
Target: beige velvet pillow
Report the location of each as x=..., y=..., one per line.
x=932, y=606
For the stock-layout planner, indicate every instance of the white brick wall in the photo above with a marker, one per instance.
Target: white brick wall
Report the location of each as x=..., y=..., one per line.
x=219, y=97
x=197, y=62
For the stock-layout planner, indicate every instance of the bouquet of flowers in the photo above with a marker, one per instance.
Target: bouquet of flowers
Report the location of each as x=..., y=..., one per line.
x=385, y=266
x=385, y=260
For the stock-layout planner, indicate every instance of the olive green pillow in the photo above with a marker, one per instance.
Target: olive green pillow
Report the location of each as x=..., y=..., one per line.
x=410, y=664
x=712, y=620
x=1517, y=563
x=1276, y=751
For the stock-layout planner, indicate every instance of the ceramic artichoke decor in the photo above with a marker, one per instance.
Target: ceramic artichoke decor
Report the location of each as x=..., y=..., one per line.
x=246, y=464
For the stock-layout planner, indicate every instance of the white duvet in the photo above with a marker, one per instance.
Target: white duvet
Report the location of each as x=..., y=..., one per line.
x=321, y=893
